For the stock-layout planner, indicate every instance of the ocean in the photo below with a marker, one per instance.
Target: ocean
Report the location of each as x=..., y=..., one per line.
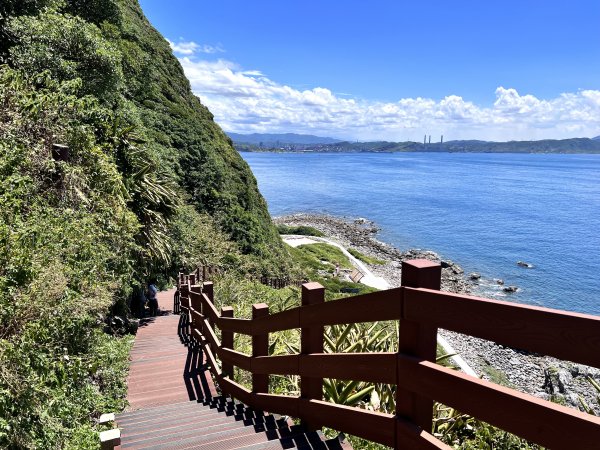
x=483, y=211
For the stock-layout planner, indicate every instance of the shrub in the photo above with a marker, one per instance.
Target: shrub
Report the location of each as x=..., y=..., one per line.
x=302, y=230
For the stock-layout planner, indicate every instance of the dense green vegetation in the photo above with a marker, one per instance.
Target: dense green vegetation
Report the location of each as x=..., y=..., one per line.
x=302, y=230
x=111, y=173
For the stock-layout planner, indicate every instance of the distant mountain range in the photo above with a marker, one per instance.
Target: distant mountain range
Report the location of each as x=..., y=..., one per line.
x=274, y=140
x=306, y=143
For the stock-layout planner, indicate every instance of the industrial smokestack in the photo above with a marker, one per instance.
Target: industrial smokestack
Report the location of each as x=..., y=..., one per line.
x=442, y=139
x=430, y=139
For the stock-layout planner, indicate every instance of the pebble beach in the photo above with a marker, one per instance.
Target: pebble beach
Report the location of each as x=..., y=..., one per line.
x=541, y=376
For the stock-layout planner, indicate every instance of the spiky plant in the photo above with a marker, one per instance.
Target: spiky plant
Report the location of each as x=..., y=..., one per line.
x=357, y=338
x=584, y=405
x=152, y=195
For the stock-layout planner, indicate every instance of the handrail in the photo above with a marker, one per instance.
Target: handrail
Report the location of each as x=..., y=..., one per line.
x=562, y=334
x=421, y=309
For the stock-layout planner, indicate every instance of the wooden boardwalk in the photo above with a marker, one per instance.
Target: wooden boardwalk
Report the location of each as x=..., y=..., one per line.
x=164, y=370
x=173, y=403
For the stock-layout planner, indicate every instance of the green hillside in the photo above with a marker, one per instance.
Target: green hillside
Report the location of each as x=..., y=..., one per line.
x=187, y=139
x=111, y=173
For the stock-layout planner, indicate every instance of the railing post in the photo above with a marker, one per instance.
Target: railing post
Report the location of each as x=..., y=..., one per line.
x=184, y=305
x=193, y=278
x=227, y=342
x=260, y=347
x=208, y=289
x=417, y=340
x=196, y=306
x=311, y=341
x=184, y=295
x=177, y=294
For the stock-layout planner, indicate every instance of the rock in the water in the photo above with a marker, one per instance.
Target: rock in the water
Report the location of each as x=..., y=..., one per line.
x=475, y=276
x=499, y=281
x=457, y=269
x=524, y=264
x=510, y=289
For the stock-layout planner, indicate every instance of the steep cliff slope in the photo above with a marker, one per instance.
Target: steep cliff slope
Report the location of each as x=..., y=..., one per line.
x=216, y=178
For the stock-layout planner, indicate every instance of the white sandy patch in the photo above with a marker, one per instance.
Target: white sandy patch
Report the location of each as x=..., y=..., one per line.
x=295, y=241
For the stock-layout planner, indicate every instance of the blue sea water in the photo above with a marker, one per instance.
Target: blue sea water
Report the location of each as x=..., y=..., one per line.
x=483, y=211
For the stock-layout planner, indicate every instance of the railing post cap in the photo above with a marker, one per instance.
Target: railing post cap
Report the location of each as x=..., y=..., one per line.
x=258, y=306
x=226, y=309
x=421, y=273
x=312, y=286
x=421, y=263
x=110, y=439
x=106, y=418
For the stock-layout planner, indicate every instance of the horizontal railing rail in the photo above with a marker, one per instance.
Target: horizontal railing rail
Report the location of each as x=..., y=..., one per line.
x=421, y=309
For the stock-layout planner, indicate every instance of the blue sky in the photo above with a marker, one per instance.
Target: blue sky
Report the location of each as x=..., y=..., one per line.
x=392, y=69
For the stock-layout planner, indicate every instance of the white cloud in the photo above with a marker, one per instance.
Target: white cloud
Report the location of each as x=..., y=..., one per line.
x=248, y=101
x=191, y=48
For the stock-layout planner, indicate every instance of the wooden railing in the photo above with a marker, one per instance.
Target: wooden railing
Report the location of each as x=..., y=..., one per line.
x=200, y=275
x=205, y=273
x=421, y=309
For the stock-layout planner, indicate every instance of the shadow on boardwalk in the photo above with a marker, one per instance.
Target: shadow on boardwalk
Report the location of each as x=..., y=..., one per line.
x=195, y=370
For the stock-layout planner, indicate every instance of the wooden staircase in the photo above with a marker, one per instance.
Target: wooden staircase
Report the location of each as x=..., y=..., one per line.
x=174, y=403
x=216, y=424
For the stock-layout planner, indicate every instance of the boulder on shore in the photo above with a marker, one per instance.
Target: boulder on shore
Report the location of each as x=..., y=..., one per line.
x=557, y=380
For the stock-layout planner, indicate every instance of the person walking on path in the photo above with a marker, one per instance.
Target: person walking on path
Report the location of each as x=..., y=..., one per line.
x=152, y=300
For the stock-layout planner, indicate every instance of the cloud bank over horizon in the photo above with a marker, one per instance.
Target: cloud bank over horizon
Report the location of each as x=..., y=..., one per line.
x=247, y=101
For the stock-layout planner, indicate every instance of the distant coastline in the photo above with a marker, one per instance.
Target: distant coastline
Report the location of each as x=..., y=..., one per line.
x=313, y=144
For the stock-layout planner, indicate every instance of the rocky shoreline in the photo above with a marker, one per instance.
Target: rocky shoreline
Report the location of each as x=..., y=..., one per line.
x=541, y=376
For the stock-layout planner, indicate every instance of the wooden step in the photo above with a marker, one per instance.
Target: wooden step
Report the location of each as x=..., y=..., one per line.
x=174, y=403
